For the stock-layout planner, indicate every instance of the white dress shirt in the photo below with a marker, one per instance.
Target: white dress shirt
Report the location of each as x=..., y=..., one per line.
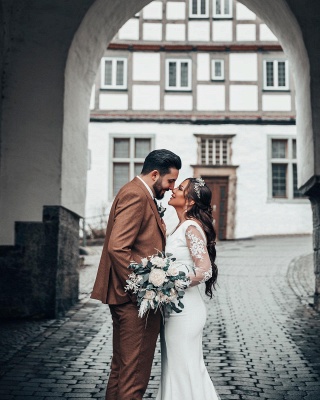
x=149, y=190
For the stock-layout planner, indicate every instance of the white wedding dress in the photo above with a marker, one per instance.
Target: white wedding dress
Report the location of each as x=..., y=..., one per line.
x=183, y=373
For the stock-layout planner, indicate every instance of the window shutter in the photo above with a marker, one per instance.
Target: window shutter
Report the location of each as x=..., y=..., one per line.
x=281, y=73
x=270, y=73
x=194, y=7
x=218, y=7
x=172, y=74
x=184, y=74
x=120, y=73
x=120, y=176
x=108, y=72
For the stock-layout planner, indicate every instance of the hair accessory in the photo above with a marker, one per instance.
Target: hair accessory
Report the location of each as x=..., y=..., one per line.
x=198, y=183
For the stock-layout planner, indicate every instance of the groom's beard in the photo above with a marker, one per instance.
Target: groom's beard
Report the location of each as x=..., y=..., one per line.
x=158, y=189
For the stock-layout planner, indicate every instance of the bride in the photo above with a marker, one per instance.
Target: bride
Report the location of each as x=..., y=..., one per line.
x=184, y=375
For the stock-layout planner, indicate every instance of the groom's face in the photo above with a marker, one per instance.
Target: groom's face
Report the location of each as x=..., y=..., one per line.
x=165, y=183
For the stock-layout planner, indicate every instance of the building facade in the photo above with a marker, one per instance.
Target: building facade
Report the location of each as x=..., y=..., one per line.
x=208, y=80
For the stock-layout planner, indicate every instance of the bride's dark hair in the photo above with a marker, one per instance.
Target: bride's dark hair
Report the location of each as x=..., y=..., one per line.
x=202, y=211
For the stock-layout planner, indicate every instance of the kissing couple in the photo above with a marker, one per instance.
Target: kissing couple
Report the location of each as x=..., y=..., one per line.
x=135, y=229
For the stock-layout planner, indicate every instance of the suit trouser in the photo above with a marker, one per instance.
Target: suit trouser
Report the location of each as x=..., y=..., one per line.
x=134, y=341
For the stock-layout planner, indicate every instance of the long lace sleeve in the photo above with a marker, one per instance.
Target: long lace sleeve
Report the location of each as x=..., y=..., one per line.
x=201, y=260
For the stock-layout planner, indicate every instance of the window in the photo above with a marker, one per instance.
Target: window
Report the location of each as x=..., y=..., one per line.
x=178, y=74
x=198, y=9
x=275, y=75
x=214, y=150
x=128, y=154
x=217, y=70
x=222, y=8
x=284, y=169
x=113, y=73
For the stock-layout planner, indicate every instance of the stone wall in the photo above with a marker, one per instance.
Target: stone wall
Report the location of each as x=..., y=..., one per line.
x=39, y=276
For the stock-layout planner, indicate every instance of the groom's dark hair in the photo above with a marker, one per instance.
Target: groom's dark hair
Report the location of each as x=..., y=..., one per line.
x=162, y=160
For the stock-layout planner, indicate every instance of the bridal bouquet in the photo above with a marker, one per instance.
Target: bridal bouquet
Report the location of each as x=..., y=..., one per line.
x=158, y=283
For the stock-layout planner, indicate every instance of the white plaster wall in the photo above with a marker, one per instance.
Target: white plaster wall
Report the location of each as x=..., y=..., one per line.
x=246, y=32
x=179, y=103
x=243, y=67
x=266, y=35
x=276, y=102
x=198, y=31
x=153, y=10
x=176, y=10
x=130, y=30
x=113, y=101
x=243, y=13
x=243, y=97
x=255, y=213
x=152, y=31
x=146, y=66
x=175, y=32
x=203, y=67
x=145, y=97
x=222, y=31
x=280, y=18
x=210, y=97
x=98, y=175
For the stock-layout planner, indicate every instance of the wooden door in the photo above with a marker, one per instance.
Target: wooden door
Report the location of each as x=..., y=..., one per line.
x=219, y=202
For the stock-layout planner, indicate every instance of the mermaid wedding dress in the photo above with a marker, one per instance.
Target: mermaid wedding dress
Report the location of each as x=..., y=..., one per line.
x=183, y=373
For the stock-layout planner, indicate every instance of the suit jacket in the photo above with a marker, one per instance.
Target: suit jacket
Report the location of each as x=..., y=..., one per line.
x=134, y=231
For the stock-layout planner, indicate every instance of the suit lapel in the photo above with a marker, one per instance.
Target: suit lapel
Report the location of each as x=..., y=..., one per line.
x=138, y=182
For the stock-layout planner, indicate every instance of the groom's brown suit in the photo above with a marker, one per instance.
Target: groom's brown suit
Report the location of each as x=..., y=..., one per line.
x=134, y=230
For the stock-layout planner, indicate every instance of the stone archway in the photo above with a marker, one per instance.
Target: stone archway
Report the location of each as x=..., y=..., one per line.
x=105, y=18
x=52, y=56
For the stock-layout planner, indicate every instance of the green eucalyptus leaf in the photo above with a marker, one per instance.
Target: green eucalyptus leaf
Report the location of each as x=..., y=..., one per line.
x=176, y=309
x=180, y=304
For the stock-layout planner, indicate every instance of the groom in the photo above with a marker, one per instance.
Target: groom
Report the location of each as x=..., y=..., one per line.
x=134, y=230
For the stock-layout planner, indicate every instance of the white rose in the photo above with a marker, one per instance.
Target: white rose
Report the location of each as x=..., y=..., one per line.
x=158, y=261
x=172, y=271
x=157, y=276
x=144, y=261
x=150, y=294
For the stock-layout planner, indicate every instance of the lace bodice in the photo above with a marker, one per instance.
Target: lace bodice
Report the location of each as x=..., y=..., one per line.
x=188, y=245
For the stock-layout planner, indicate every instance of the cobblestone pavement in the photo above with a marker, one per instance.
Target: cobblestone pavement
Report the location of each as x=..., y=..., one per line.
x=260, y=340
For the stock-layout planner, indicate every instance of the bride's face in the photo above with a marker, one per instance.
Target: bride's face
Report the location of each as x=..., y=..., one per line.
x=177, y=199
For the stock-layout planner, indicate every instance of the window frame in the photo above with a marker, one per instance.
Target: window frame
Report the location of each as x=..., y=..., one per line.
x=289, y=161
x=179, y=88
x=214, y=138
x=198, y=15
x=213, y=76
x=131, y=160
x=275, y=87
x=223, y=16
x=114, y=61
